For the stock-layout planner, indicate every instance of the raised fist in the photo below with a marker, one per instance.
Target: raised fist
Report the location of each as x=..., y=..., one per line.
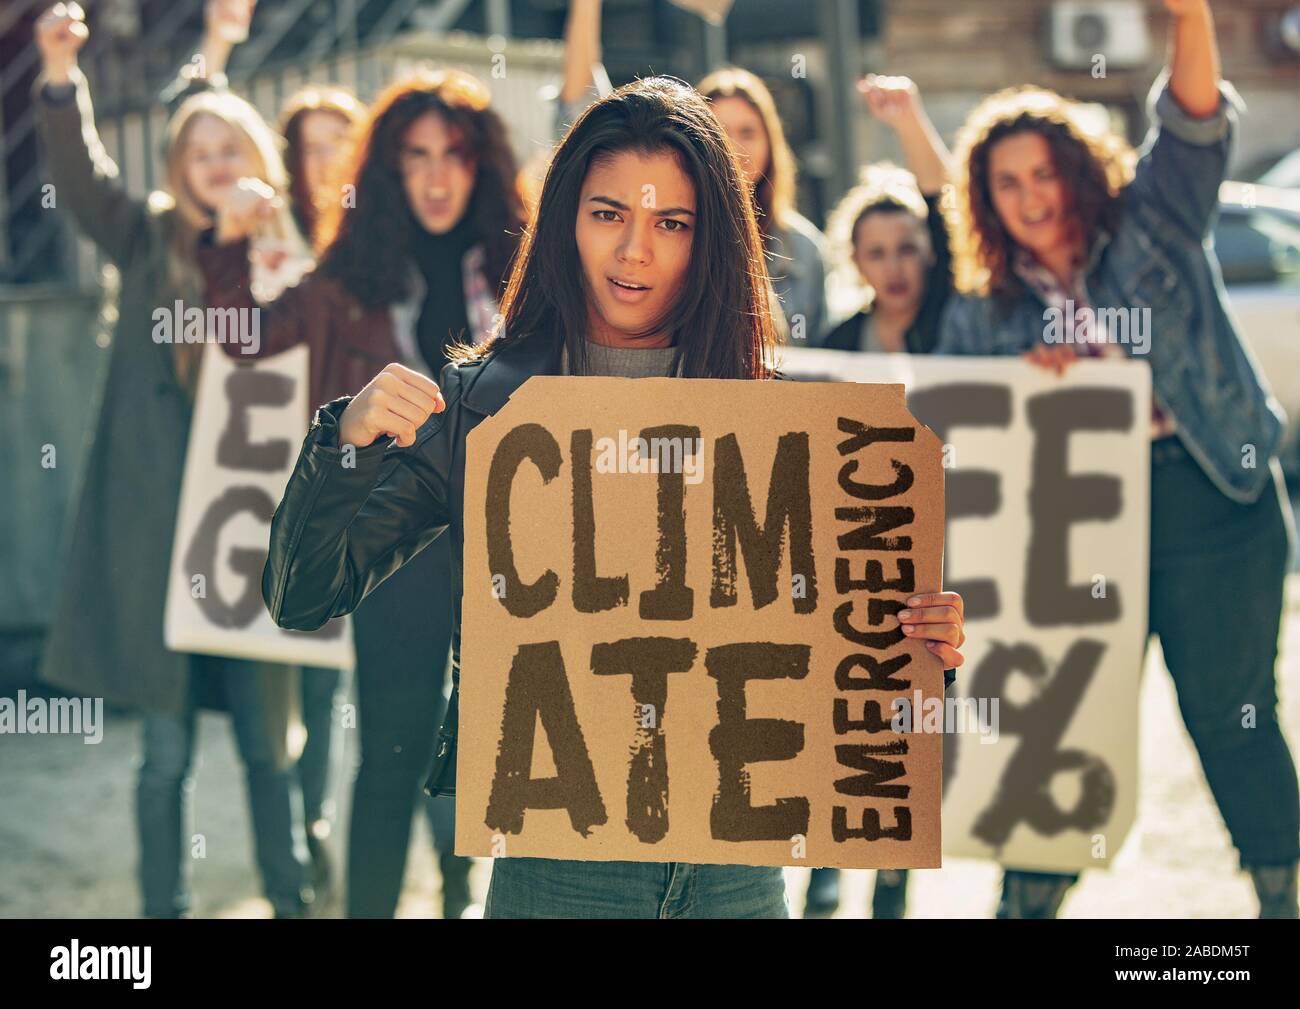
x=395, y=403
x=892, y=100
x=60, y=32
x=250, y=205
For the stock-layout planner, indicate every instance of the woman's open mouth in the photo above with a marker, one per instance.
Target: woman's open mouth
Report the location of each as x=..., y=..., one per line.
x=628, y=292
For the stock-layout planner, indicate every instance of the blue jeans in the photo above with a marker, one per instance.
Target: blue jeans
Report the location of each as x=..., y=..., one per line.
x=1218, y=584
x=320, y=687
x=556, y=888
x=166, y=781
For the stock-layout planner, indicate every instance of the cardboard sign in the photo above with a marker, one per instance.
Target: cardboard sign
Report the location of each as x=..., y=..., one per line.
x=679, y=639
x=1048, y=484
x=249, y=421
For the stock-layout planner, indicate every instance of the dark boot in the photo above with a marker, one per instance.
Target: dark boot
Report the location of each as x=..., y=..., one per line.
x=455, y=884
x=1035, y=895
x=1275, y=885
x=301, y=906
x=890, y=897
x=823, y=893
x=322, y=863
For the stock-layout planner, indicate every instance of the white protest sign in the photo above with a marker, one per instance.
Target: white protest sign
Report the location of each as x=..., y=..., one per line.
x=1047, y=482
x=249, y=421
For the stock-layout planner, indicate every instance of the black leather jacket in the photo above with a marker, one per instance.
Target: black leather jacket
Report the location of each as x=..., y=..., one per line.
x=342, y=529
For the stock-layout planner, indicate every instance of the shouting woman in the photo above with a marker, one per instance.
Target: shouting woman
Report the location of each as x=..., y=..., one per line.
x=410, y=265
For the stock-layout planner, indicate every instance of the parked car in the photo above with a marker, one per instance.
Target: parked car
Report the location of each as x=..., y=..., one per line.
x=1285, y=174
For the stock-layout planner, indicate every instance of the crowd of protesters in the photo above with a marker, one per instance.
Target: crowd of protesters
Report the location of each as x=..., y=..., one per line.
x=444, y=273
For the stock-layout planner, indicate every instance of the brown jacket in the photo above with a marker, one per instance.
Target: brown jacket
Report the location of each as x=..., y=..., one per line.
x=349, y=343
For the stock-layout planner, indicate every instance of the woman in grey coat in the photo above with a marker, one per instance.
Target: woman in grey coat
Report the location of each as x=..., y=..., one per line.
x=107, y=636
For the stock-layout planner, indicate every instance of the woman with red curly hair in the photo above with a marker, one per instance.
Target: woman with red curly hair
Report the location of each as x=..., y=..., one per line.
x=1055, y=215
x=414, y=251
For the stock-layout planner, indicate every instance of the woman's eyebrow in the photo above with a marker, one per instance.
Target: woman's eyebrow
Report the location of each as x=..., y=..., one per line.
x=617, y=205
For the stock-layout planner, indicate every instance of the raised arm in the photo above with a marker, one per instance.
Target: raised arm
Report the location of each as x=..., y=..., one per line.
x=85, y=178
x=896, y=102
x=585, y=78
x=1194, y=111
x=1194, y=74
x=225, y=24
x=582, y=67
x=223, y=258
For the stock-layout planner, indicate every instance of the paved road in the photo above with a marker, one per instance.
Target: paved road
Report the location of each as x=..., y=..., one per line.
x=67, y=845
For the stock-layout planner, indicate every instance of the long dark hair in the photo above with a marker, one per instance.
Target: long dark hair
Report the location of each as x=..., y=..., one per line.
x=721, y=320
x=367, y=244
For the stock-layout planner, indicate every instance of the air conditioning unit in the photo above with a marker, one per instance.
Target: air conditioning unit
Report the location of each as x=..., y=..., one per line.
x=1083, y=30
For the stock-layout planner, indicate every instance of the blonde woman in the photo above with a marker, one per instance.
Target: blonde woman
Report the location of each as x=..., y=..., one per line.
x=796, y=251
x=107, y=636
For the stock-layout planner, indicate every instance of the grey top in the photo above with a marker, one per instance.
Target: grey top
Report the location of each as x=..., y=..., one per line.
x=625, y=362
x=796, y=260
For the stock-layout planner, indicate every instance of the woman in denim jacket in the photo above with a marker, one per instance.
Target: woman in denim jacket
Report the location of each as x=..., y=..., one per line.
x=1049, y=212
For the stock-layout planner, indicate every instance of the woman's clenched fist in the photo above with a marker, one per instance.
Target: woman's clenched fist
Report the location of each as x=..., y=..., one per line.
x=60, y=32
x=395, y=403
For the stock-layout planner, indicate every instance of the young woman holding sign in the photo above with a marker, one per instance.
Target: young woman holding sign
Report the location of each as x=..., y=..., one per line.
x=317, y=124
x=107, y=636
x=603, y=285
x=1051, y=211
x=416, y=241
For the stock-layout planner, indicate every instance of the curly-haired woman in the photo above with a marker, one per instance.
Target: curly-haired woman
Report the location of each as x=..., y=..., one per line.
x=413, y=257
x=1052, y=212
